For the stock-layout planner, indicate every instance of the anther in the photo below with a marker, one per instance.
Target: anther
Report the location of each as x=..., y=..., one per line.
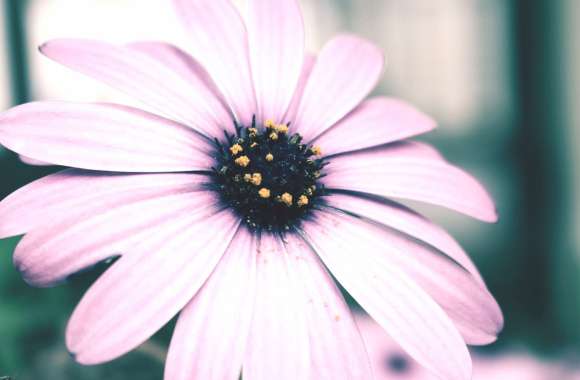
x=286, y=198
x=282, y=128
x=302, y=201
x=247, y=177
x=273, y=136
x=256, y=179
x=242, y=161
x=269, y=123
x=316, y=150
x=269, y=157
x=236, y=148
x=264, y=193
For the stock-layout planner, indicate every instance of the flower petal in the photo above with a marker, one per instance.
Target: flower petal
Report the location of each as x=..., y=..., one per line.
x=307, y=66
x=145, y=289
x=336, y=348
x=375, y=122
x=102, y=137
x=405, y=220
x=210, y=338
x=278, y=342
x=185, y=99
x=219, y=40
x=411, y=171
x=215, y=115
x=33, y=162
x=276, y=35
x=80, y=192
x=467, y=302
x=346, y=70
x=388, y=293
x=89, y=235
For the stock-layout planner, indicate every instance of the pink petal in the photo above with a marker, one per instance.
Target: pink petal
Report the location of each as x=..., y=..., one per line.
x=210, y=338
x=336, y=347
x=405, y=220
x=184, y=98
x=276, y=35
x=307, y=66
x=467, y=302
x=89, y=235
x=412, y=172
x=102, y=137
x=33, y=162
x=215, y=114
x=278, y=343
x=219, y=40
x=375, y=122
x=346, y=70
x=145, y=289
x=83, y=193
x=389, y=294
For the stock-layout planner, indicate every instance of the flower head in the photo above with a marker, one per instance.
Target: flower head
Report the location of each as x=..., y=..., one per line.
x=253, y=170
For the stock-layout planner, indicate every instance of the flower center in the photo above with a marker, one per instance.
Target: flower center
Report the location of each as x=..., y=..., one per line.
x=268, y=176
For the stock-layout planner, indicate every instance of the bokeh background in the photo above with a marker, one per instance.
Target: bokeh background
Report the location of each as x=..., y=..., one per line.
x=502, y=77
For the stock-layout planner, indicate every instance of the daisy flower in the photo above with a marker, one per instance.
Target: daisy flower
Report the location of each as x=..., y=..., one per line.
x=253, y=172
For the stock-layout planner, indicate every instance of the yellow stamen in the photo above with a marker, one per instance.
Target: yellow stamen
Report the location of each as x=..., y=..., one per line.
x=242, y=161
x=269, y=123
x=273, y=136
x=302, y=201
x=264, y=193
x=316, y=150
x=282, y=128
x=269, y=157
x=253, y=131
x=256, y=179
x=247, y=177
x=236, y=148
x=286, y=198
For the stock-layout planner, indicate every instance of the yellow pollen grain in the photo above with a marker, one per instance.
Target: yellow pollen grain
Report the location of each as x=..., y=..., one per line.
x=286, y=198
x=264, y=193
x=247, y=177
x=302, y=201
x=242, y=161
x=273, y=136
x=282, y=128
x=269, y=157
x=269, y=123
x=236, y=148
x=253, y=131
x=256, y=179
x=316, y=150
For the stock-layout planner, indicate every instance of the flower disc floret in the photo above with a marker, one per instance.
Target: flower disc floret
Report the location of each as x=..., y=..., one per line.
x=268, y=176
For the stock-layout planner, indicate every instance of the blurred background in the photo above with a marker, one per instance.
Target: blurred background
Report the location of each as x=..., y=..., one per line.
x=502, y=77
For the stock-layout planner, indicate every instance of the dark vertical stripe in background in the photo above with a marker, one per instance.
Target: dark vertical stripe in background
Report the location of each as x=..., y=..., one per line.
x=542, y=151
x=15, y=11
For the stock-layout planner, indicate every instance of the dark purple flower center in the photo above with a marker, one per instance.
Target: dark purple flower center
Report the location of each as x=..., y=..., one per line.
x=268, y=176
x=396, y=363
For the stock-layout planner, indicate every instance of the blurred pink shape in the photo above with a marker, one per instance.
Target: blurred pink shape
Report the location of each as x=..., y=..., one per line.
x=390, y=362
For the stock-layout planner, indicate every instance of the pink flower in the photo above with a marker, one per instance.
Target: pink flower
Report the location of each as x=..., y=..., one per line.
x=221, y=205
x=389, y=362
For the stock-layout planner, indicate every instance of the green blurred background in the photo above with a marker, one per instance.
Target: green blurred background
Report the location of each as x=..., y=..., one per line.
x=502, y=77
